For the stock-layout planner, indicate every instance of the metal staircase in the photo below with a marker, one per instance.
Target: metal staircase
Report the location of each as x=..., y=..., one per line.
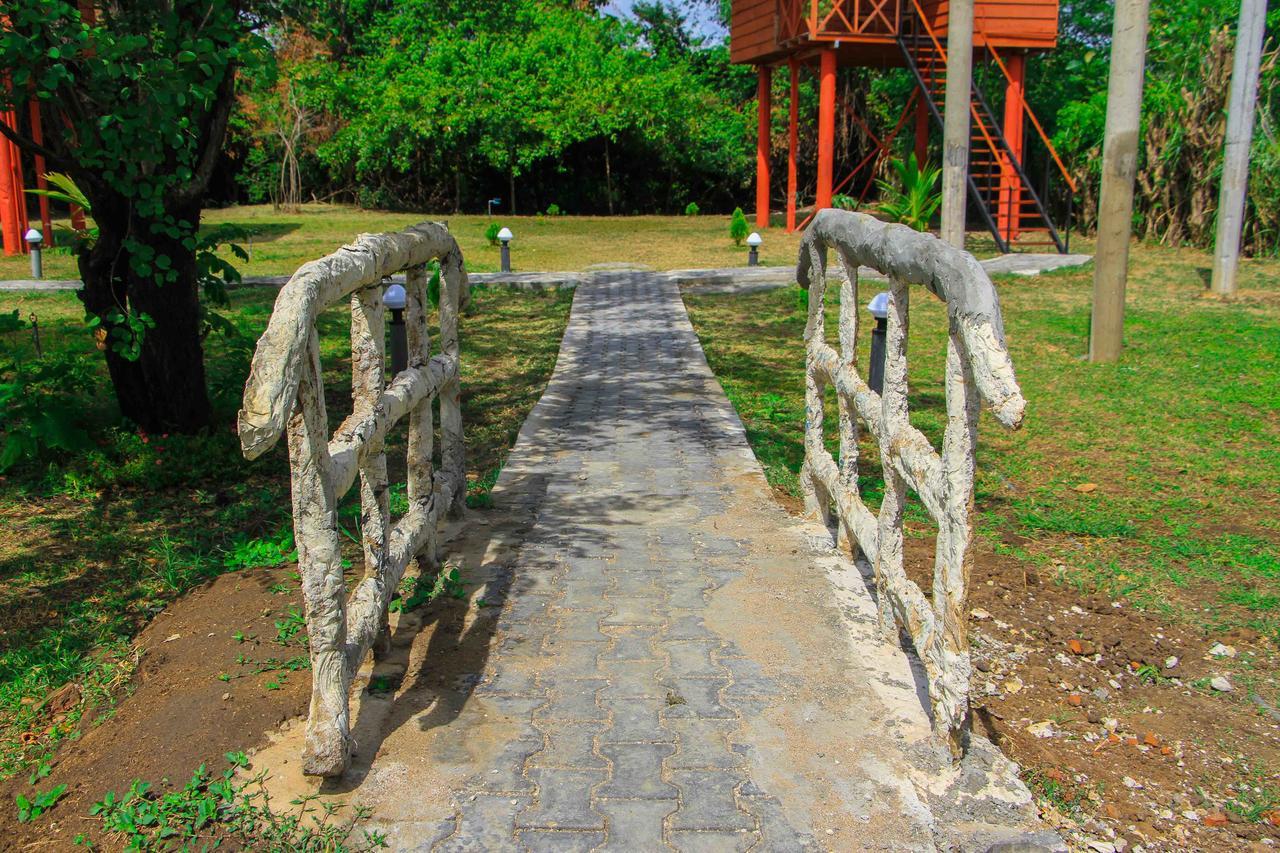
x=998, y=182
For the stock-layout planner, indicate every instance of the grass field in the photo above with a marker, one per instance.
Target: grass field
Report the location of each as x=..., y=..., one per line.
x=1181, y=437
x=282, y=242
x=92, y=545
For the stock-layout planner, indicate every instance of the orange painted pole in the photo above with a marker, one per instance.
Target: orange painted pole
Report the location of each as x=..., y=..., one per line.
x=12, y=206
x=765, y=106
x=37, y=134
x=826, y=127
x=1009, y=218
x=793, y=141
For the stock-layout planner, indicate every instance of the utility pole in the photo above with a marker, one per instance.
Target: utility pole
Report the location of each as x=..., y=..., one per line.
x=955, y=122
x=1235, y=158
x=1119, y=167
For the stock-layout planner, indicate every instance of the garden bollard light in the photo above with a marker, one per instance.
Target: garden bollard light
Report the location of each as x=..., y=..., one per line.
x=879, y=309
x=394, y=299
x=34, y=238
x=504, y=236
x=753, y=256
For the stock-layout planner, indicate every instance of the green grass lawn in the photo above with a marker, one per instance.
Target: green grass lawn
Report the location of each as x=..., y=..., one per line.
x=284, y=241
x=93, y=545
x=1181, y=437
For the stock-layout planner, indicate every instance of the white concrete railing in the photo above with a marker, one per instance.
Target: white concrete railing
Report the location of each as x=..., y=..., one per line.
x=978, y=368
x=285, y=392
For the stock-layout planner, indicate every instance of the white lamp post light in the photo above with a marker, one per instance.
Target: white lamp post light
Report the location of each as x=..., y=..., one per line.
x=505, y=236
x=394, y=298
x=34, y=238
x=753, y=255
x=879, y=308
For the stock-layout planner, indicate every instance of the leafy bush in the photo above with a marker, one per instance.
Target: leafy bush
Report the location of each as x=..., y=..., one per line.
x=738, y=226
x=491, y=233
x=41, y=406
x=915, y=197
x=553, y=209
x=692, y=209
x=844, y=202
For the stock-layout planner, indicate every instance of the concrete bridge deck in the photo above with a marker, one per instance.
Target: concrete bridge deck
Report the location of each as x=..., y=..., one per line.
x=667, y=660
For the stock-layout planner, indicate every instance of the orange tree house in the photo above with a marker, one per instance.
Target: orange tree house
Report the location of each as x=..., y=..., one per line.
x=827, y=34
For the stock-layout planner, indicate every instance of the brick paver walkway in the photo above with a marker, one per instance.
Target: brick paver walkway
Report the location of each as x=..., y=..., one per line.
x=672, y=664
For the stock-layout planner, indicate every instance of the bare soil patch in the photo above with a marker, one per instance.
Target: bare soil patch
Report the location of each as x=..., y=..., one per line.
x=179, y=713
x=1111, y=713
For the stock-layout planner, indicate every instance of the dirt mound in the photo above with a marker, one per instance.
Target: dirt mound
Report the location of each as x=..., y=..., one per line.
x=214, y=677
x=1114, y=714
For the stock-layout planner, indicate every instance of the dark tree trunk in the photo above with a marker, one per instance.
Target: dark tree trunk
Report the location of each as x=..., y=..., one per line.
x=163, y=389
x=608, y=177
x=511, y=175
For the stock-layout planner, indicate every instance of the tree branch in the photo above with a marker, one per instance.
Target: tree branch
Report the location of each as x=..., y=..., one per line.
x=51, y=158
x=194, y=188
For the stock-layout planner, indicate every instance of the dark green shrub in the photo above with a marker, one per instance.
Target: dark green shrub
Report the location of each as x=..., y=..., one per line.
x=491, y=233
x=692, y=209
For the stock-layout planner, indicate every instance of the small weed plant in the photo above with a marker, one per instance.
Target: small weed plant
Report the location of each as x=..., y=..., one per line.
x=212, y=810
x=692, y=209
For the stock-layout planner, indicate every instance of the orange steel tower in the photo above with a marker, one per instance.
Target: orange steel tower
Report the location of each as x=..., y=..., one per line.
x=911, y=34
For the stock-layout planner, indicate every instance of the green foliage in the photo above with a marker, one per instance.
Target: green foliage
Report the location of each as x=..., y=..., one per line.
x=222, y=807
x=30, y=809
x=553, y=209
x=738, y=227
x=915, y=197
x=844, y=202
x=491, y=233
x=39, y=412
x=423, y=589
x=420, y=91
x=691, y=209
x=245, y=553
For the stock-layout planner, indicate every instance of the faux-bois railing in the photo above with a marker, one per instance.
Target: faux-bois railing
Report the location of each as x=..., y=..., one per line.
x=978, y=369
x=285, y=393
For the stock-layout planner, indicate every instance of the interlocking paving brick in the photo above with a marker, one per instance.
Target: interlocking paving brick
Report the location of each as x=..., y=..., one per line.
x=485, y=822
x=632, y=679
x=631, y=644
x=713, y=842
x=637, y=771
x=635, y=611
x=707, y=801
x=704, y=744
x=574, y=660
x=698, y=697
x=635, y=825
x=638, y=721
x=559, y=841
x=570, y=701
x=564, y=800
x=570, y=745
x=693, y=659
x=506, y=771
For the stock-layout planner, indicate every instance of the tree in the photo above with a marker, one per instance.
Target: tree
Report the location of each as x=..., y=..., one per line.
x=738, y=226
x=142, y=95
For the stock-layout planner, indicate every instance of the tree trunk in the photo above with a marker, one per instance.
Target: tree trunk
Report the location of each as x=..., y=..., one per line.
x=608, y=177
x=163, y=389
x=511, y=175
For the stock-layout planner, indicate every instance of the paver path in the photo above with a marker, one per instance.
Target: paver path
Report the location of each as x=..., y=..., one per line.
x=676, y=663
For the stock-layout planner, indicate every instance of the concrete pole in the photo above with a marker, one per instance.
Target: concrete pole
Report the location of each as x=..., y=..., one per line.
x=955, y=120
x=1235, y=158
x=1119, y=166
x=764, y=91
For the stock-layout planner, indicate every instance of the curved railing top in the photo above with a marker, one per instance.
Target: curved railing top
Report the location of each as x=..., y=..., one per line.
x=272, y=386
x=953, y=275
